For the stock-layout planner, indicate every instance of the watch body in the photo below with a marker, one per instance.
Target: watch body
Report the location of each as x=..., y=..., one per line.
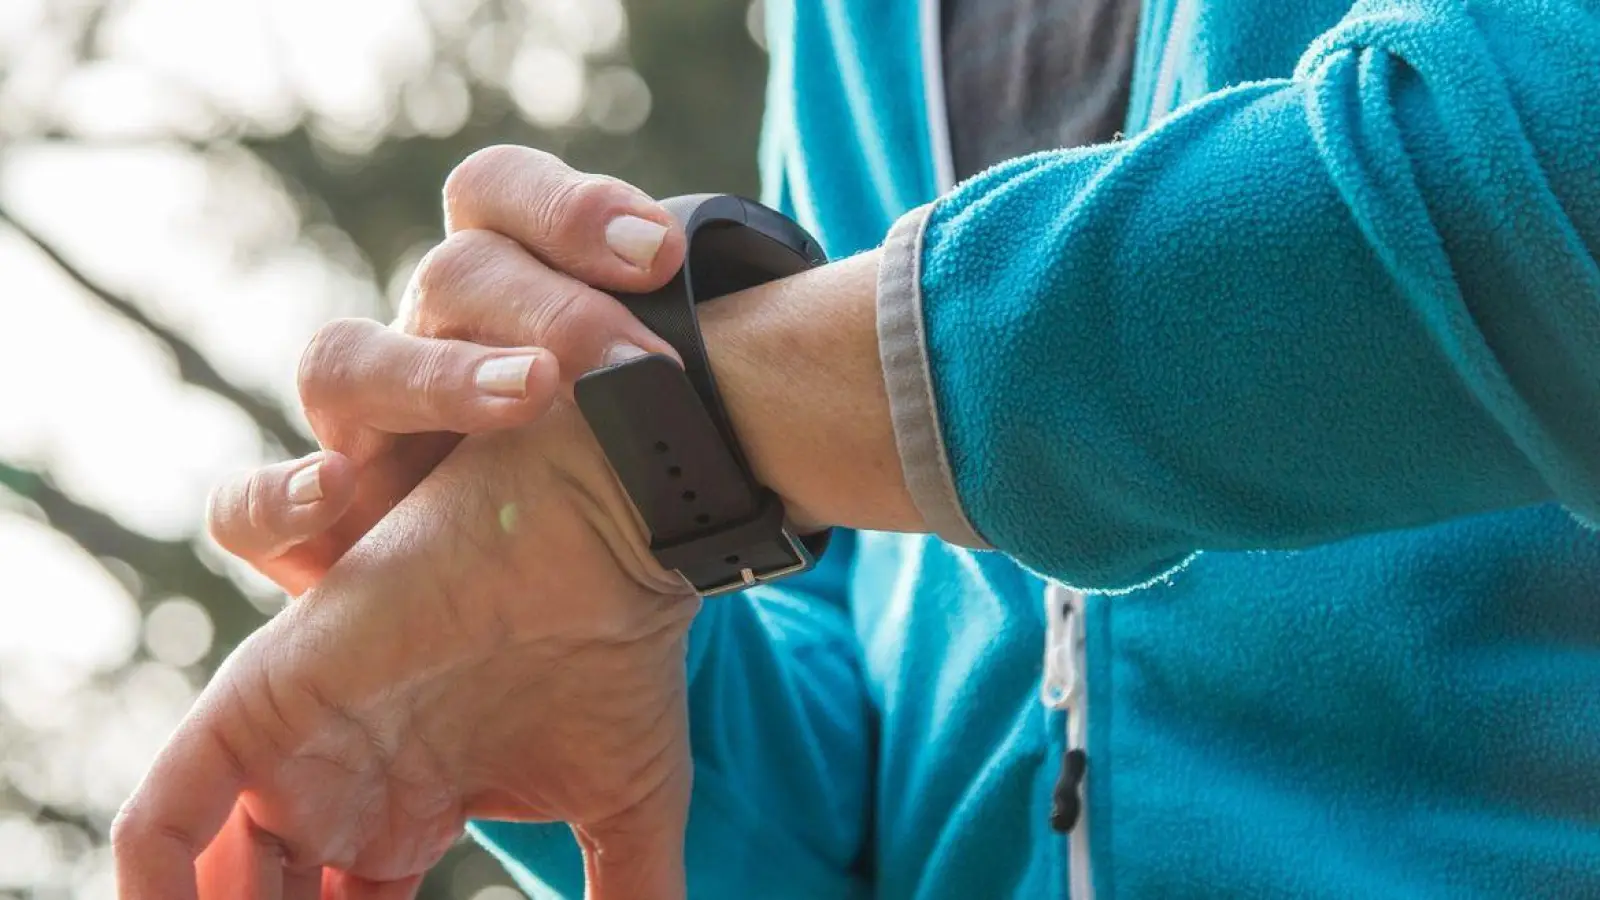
x=663, y=428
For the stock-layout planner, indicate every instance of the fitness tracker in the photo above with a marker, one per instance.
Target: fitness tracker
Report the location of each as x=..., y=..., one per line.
x=663, y=428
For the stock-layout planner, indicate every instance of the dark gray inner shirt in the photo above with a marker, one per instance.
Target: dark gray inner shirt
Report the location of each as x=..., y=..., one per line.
x=1028, y=75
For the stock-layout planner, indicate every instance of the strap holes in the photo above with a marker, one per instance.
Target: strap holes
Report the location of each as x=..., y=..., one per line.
x=732, y=560
x=674, y=472
x=702, y=519
x=661, y=447
x=688, y=496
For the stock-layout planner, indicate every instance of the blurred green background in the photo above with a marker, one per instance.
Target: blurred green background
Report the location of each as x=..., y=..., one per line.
x=187, y=189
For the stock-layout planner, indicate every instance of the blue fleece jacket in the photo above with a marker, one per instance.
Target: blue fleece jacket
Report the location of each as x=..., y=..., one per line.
x=1303, y=377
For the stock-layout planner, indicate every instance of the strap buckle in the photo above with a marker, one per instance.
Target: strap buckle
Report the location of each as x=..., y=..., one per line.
x=748, y=577
x=732, y=556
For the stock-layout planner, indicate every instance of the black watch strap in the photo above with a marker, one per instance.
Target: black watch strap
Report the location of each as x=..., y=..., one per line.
x=664, y=429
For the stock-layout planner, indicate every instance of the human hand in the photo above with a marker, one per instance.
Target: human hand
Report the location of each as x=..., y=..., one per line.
x=500, y=645
x=525, y=231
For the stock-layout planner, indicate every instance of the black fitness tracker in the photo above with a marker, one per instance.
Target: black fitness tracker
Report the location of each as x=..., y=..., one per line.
x=663, y=428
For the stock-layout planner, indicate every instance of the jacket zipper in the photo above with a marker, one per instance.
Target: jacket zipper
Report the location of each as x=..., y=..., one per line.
x=933, y=99
x=1064, y=688
x=1178, y=28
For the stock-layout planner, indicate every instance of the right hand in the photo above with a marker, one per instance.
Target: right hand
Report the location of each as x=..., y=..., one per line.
x=574, y=236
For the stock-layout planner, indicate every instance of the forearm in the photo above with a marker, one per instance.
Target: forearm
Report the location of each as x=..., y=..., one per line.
x=798, y=366
x=1357, y=300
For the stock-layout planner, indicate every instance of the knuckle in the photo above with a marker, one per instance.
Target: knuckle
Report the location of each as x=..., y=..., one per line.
x=481, y=172
x=586, y=200
x=125, y=830
x=132, y=833
x=432, y=376
x=219, y=515
x=555, y=206
x=447, y=268
x=441, y=267
x=558, y=318
x=326, y=358
x=260, y=510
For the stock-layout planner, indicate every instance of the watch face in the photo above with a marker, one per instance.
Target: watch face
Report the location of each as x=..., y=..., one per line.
x=725, y=257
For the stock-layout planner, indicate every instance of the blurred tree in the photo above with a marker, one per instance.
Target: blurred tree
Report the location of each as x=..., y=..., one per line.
x=665, y=95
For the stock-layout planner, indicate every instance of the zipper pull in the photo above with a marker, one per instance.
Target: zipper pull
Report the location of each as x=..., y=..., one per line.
x=1065, y=805
x=1062, y=690
x=1063, y=630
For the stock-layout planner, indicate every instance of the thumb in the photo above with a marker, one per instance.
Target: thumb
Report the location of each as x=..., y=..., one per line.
x=639, y=855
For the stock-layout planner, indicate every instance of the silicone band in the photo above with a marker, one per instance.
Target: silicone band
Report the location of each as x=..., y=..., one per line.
x=664, y=429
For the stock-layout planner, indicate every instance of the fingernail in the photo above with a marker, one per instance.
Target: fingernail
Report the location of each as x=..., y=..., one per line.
x=305, y=486
x=505, y=376
x=635, y=240
x=621, y=353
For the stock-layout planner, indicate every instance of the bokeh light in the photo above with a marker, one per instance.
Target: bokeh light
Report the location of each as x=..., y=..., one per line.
x=547, y=84
x=235, y=173
x=178, y=632
x=619, y=100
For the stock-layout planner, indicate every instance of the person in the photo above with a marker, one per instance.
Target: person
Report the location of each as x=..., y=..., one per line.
x=1281, y=353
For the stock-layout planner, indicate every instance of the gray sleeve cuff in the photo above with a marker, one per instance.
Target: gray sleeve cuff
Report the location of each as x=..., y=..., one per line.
x=903, y=348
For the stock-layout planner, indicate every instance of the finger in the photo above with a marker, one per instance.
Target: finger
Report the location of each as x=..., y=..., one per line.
x=236, y=864
x=378, y=484
x=623, y=866
x=481, y=286
x=639, y=856
x=175, y=813
x=359, y=374
x=260, y=515
x=246, y=863
x=600, y=230
x=302, y=884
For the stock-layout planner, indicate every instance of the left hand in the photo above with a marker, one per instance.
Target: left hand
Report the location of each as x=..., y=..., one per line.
x=501, y=645
x=388, y=406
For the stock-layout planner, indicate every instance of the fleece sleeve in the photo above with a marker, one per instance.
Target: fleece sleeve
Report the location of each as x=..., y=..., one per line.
x=780, y=728
x=1359, y=299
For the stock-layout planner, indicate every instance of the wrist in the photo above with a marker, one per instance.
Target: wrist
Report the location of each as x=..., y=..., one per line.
x=598, y=497
x=797, y=364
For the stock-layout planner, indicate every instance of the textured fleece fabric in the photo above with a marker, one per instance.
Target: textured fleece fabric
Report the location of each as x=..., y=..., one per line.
x=1307, y=371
